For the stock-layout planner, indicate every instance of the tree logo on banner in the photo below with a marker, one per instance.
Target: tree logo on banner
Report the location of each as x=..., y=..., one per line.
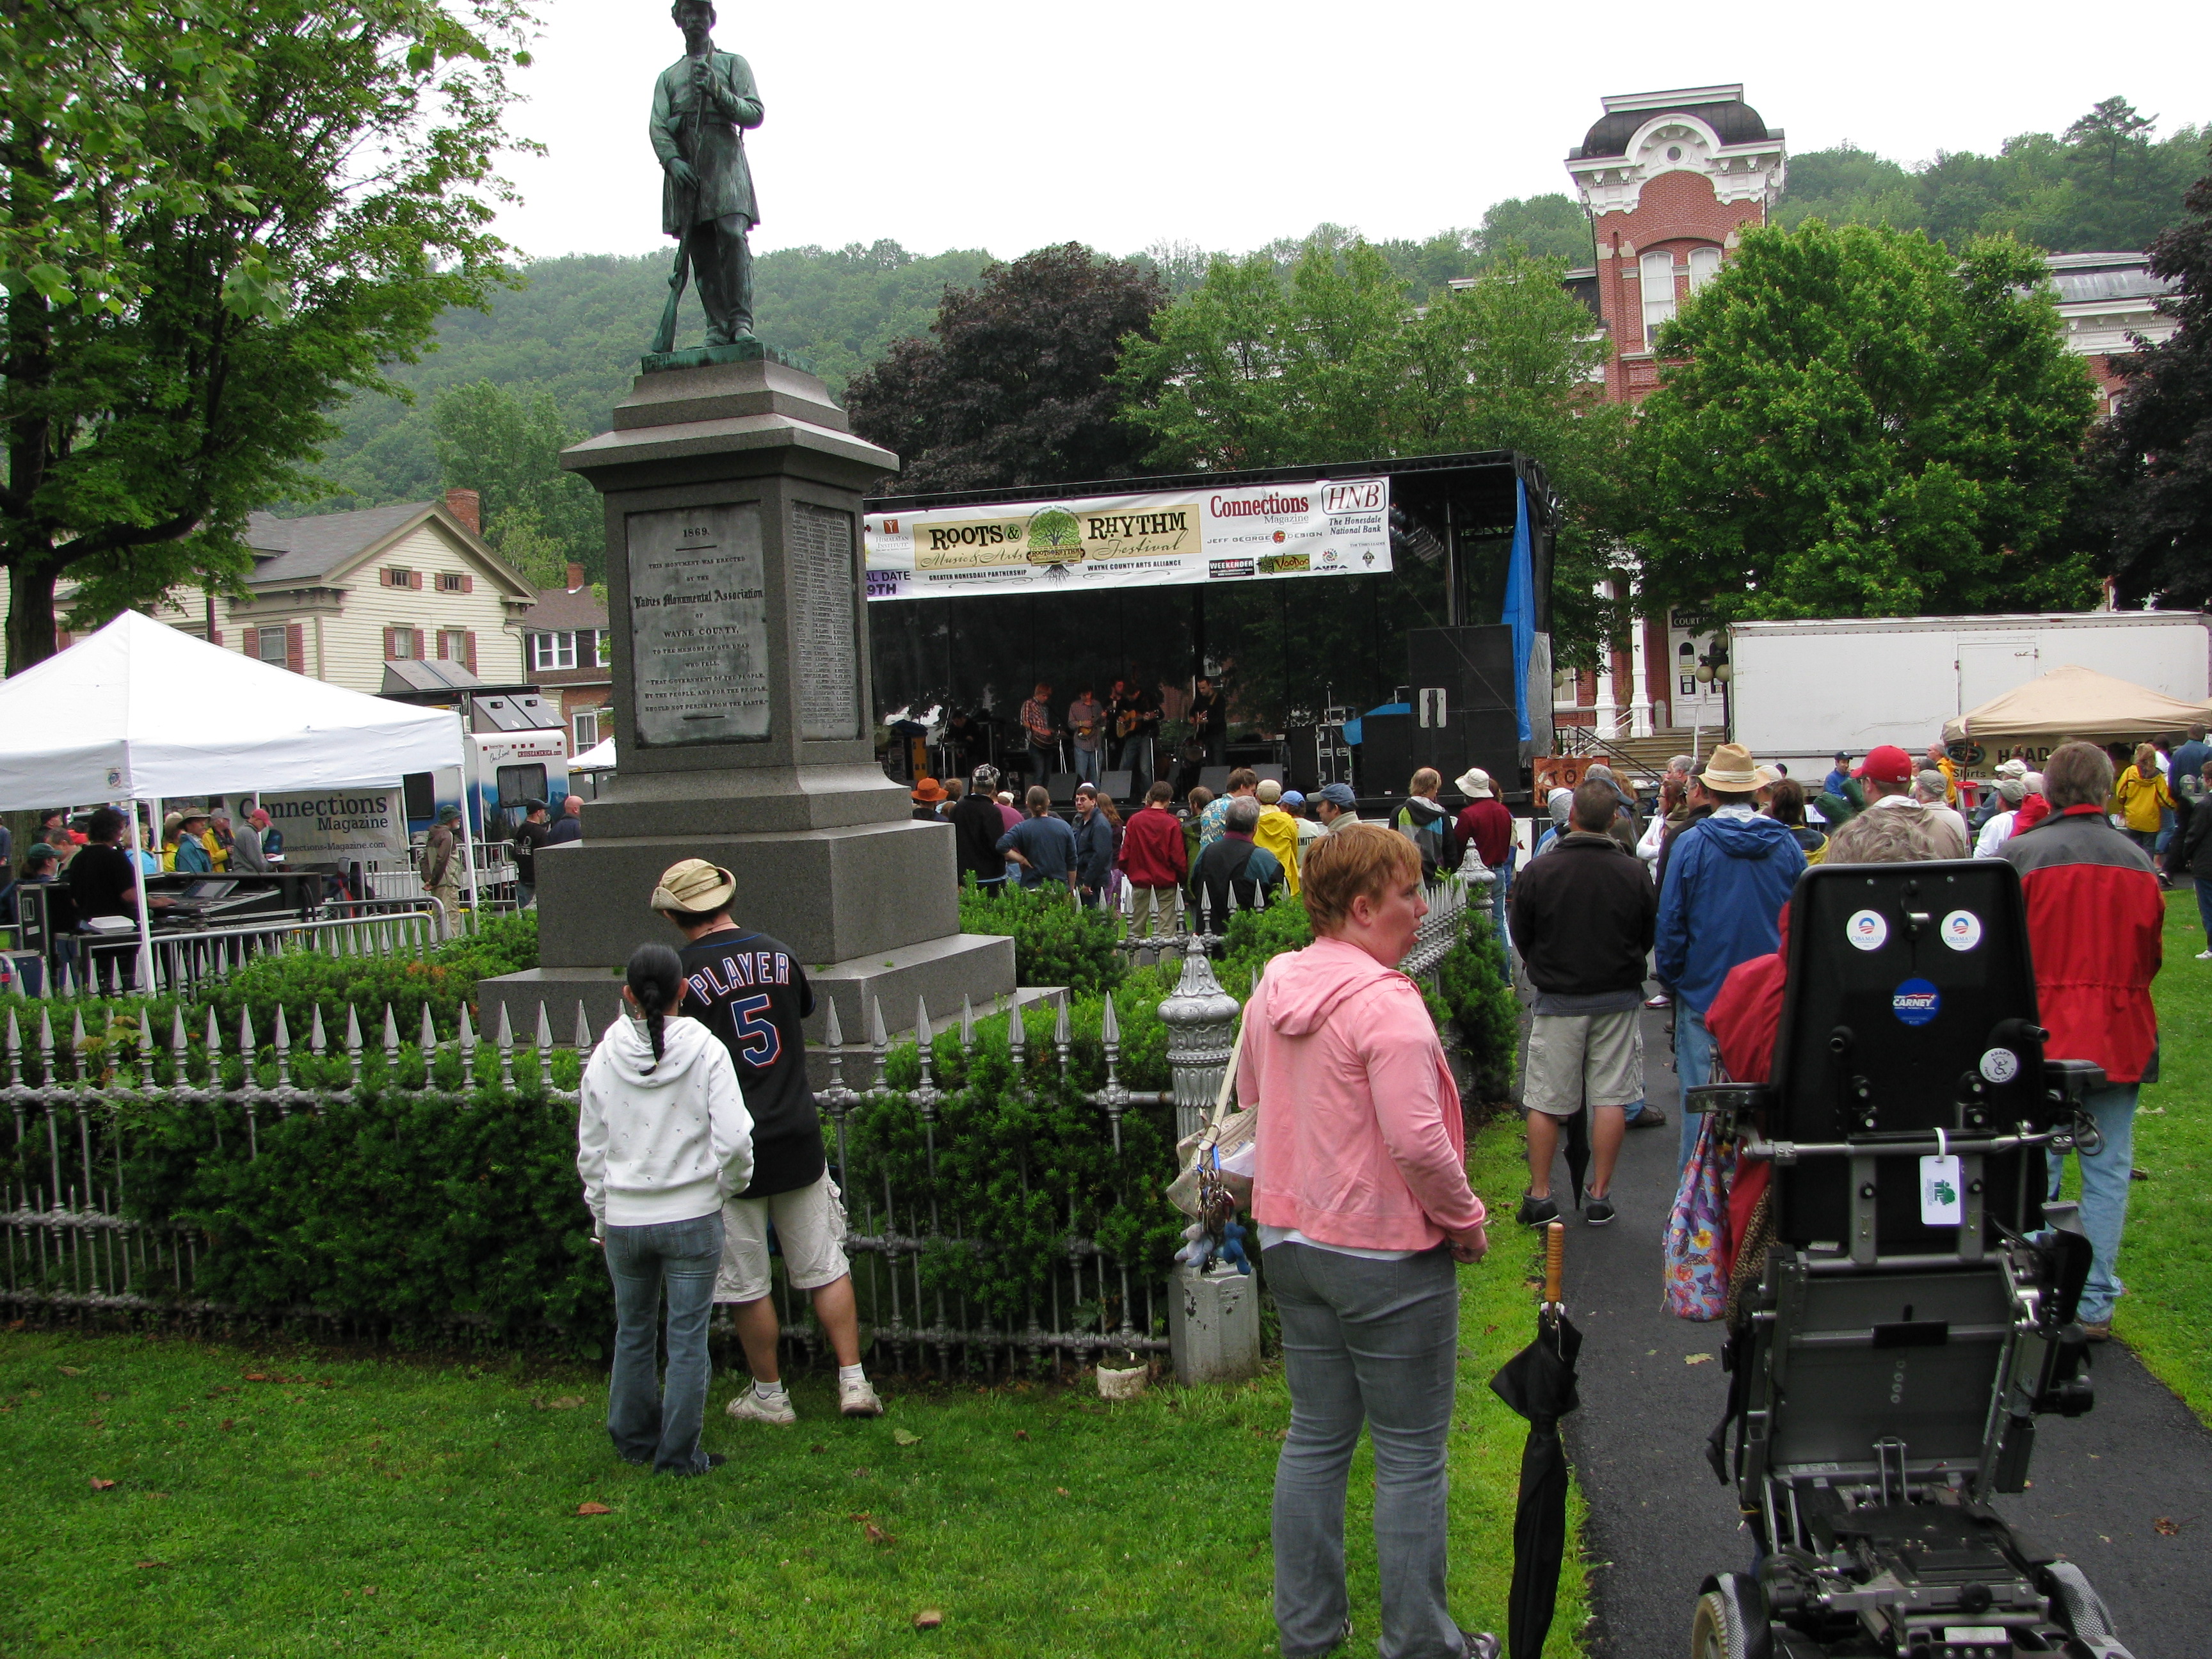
x=1056, y=538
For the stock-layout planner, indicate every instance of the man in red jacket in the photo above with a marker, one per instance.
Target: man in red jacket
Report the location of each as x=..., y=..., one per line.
x=1153, y=859
x=2094, y=912
x=1485, y=824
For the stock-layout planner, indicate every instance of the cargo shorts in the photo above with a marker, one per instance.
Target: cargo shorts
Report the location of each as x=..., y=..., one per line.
x=809, y=1227
x=1571, y=1056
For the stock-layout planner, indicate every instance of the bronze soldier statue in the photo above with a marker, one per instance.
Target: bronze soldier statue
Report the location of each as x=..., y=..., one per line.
x=700, y=106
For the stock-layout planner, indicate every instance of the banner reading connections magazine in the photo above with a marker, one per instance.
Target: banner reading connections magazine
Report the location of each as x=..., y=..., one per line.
x=1153, y=540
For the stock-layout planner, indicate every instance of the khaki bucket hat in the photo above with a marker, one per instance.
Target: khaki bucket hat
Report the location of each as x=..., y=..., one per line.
x=694, y=885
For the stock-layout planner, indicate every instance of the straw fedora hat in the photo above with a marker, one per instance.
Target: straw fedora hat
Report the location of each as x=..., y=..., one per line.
x=1729, y=770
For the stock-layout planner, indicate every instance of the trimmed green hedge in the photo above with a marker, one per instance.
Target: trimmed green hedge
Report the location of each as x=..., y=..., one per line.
x=431, y=1198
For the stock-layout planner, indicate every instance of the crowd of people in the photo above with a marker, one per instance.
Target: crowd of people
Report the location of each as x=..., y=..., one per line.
x=697, y=1136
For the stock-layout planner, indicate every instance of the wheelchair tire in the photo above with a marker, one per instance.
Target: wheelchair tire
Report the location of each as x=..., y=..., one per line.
x=1730, y=1622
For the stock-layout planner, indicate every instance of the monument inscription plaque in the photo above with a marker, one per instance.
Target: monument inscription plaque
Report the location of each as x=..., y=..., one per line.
x=823, y=587
x=698, y=625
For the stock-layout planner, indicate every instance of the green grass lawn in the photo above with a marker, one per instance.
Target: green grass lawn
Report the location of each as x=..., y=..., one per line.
x=348, y=1504
x=2165, y=1259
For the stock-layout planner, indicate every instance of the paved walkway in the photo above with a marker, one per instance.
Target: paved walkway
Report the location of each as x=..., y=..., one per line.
x=1659, y=1522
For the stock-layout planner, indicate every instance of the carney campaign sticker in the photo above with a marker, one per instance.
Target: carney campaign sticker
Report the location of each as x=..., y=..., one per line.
x=1916, y=1002
x=1961, y=930
x=1867, y=930
x=2000, y=1065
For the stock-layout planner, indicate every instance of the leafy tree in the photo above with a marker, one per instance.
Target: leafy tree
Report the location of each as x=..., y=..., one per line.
x=223, y=218
x=507, y=446
x=1014, y=388
x=1549, y=226
x=1862, y=424
x=2151, y=464
x=1340, y=364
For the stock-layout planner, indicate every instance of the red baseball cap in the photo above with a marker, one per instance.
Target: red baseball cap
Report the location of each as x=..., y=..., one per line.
x=1886, y=763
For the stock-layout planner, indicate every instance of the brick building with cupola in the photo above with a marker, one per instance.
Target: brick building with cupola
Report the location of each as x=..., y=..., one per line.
x=1671, y=181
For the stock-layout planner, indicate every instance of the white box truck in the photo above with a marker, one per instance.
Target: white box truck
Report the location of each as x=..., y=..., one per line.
x=1801, y=690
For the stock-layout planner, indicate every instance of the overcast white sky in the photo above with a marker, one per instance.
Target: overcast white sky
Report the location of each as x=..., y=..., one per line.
x=989, y=124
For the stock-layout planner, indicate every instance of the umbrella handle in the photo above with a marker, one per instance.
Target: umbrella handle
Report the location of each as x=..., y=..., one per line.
x=1555, y=1259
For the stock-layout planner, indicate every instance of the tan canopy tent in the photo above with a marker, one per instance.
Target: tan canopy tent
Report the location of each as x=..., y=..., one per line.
x=2073, y=702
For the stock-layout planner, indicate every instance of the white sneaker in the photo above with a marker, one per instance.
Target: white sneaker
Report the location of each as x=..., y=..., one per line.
x=857, y=1398
x=750, y=1407
x=2204, y=956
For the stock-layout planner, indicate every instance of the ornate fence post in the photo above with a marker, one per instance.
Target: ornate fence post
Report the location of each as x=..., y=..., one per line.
x=1213, y=1316
x=1201, y=1021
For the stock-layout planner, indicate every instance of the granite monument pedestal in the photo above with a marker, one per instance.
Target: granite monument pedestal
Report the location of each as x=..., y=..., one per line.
x=744, y=716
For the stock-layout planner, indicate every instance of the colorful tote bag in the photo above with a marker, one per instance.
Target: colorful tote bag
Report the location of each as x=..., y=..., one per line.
x=1696, y=1252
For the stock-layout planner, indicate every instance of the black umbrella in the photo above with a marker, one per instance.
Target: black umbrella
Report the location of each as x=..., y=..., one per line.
x=1539, y=1383
x=1578, y=1149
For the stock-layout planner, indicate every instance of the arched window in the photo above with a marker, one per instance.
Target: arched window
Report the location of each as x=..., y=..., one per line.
x=1704, y=265
x=1658, y=270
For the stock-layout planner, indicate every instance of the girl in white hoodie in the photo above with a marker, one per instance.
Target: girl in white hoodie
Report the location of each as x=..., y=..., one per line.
x=662, y=1137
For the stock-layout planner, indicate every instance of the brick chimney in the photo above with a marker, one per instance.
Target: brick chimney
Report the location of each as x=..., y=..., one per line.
x=576, y=577
x=468, y=507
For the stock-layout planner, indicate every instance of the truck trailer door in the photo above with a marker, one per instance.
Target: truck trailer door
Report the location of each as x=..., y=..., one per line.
x=1990, y=664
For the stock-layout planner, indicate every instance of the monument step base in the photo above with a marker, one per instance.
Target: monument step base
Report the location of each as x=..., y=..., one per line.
x=940, y=973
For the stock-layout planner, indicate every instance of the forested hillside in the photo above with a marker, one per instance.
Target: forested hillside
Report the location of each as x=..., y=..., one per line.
x=546, y=363
x=573, y=328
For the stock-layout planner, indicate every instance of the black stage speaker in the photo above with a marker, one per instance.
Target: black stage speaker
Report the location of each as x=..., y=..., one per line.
x=1060, y=785
x=1214, y=780
x=1383, y=762
x=1116, y=785
x=1463, y=702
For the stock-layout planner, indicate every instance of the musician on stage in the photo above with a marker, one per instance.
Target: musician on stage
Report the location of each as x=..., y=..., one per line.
x=1136, y=716
x=1086, y=723
x=1040, y=731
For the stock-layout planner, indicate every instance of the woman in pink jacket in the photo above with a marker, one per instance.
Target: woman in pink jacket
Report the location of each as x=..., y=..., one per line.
x=1361, y=1193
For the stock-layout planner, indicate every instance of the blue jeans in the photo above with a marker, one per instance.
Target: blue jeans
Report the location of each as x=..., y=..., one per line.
x=1372, y=1342
x=2205, y=908
x=2105, y=1180
x=663, y=1430
x=1501, y=884
x=1694, y=1069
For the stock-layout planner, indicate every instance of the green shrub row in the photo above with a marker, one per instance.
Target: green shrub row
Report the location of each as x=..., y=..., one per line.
x=432, y=1197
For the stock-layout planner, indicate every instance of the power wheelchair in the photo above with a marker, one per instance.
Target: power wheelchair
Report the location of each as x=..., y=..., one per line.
x=1915, y=1311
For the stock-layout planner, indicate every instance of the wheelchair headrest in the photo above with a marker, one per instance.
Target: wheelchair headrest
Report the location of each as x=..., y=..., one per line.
x=1909, y=990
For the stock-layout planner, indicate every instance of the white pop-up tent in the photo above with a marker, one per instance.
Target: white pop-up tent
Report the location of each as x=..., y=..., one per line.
x=599, y=757
x=140, y=712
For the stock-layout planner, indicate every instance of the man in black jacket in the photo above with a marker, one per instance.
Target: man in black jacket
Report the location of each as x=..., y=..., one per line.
x=1583, y=918
x=977, y=825
x=2189, y=853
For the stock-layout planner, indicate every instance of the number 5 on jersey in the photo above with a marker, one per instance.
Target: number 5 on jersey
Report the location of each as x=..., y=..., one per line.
x=759, y=1042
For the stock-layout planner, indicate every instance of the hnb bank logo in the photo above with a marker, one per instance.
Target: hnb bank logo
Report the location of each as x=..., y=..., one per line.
x=1365, y=497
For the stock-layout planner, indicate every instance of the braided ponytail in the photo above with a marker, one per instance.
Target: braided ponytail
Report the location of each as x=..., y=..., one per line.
x=655, y=977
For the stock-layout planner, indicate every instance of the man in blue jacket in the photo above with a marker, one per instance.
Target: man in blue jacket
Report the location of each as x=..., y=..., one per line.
x=1727, y=876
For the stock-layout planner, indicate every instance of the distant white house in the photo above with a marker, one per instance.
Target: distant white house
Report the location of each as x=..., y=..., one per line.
x=337, y=595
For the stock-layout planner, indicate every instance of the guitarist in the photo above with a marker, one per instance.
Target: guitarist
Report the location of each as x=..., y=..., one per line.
x=1041, y=733
x=700, y=106
x=1086, y=721
x=1203, y=742
x=1136, y=725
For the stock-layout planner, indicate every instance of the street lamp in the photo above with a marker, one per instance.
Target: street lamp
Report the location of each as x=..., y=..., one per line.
x=1714, y=669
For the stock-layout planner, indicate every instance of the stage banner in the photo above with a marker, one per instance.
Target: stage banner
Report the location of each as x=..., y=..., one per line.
x=1152, y=540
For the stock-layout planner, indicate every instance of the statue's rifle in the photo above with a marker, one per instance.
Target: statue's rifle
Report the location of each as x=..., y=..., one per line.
x=687, y=197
